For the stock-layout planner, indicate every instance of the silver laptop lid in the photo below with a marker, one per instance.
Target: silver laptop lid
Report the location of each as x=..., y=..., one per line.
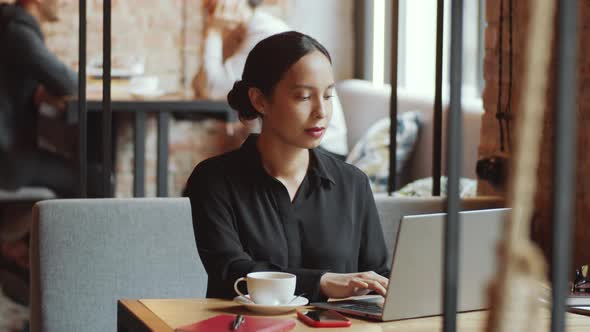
x=415, y=284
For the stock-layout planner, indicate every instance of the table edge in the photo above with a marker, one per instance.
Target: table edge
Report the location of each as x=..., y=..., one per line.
x=149, y=320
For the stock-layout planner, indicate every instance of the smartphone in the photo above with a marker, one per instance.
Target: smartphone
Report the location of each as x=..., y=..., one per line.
x=323, y=318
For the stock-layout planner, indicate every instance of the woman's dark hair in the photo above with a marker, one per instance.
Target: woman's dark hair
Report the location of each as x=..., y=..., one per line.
x=265, y=66
x=254, y=3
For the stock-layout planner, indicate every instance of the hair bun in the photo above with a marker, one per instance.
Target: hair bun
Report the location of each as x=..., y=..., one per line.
x=239, y=100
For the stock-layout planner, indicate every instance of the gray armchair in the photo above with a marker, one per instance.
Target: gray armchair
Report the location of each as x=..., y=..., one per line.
x=88, y=253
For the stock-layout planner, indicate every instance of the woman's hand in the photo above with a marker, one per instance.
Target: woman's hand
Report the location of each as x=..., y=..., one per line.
x=226, y=20
x=341, y=285
x=227, y=14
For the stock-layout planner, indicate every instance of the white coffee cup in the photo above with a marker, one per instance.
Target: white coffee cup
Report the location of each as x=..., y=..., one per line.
x=269, y=288
x=144, y=83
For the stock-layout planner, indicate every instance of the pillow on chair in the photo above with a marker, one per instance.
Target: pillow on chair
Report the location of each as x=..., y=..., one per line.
x=371, y=152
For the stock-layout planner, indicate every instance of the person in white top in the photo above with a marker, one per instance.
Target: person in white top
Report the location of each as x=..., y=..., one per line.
x=232, y=29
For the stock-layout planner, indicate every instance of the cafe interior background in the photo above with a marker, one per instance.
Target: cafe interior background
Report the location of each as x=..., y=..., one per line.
x=164, y=37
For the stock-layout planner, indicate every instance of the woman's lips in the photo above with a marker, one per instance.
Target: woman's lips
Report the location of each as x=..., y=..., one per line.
x=315, y=132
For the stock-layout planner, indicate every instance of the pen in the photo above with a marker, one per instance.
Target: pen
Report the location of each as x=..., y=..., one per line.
x=237, y=322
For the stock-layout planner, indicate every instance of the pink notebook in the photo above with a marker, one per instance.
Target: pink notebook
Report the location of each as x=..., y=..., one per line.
x=251, y=324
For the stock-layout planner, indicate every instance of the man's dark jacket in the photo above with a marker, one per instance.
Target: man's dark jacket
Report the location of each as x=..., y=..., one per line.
x=25, y=63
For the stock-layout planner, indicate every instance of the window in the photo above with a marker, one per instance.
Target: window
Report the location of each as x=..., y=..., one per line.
x=417, y=45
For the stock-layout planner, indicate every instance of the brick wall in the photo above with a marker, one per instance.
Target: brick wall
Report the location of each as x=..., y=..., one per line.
x=168, y=34
x=542, y=224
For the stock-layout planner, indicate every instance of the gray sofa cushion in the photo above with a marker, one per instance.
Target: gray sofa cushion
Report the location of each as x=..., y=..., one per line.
x=87, y=254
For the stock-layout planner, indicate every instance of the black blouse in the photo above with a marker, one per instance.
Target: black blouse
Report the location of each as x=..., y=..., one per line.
x=244, y=221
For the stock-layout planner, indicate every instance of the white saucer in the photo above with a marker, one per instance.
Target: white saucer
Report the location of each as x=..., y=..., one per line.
x=270, y=309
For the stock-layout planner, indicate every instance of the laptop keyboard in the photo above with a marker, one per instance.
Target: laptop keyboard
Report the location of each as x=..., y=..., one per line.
x=369, y=307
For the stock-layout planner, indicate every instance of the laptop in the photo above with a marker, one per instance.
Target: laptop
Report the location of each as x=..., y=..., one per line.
x=415, y=282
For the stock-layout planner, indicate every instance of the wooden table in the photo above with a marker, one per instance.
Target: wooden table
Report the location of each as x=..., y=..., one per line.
x=166, y=315
x=182, y=106
x=174, y=102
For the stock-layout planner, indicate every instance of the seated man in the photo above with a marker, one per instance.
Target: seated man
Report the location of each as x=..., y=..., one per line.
x=233, y=28
x=30, y=75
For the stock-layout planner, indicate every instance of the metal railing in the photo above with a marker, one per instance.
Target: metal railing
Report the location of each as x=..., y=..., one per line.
x=565, y=158
x=565, y=140
x=83, y=141
x=393, y=101
x=77, y=111
x=454, y=148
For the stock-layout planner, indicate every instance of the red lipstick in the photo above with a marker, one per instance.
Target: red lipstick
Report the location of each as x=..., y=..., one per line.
x=315, y=132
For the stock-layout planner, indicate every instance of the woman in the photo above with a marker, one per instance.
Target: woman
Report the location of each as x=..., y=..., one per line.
x=277, y=203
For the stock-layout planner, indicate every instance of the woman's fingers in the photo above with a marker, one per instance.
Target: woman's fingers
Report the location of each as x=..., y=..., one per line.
x=370, y=275
x=352, y=284
x=376, y=286
x=374, y=276
x=358, y=283
x=357, y=286
x=372, y=281
x=227, y=11
x=222, y=11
